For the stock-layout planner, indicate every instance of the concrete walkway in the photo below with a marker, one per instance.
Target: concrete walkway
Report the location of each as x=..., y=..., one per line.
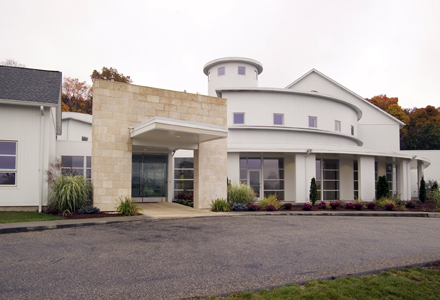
x=169, y=210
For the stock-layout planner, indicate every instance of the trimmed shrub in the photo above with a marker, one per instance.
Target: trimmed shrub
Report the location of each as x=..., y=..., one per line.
x=239, y=193
x=239, y=207
x=270, y=208
x=270, y=200
x=323, y=205
x=358, y=206
x=287, y=206
x=88, y=210
x=128, y=207
x=384, y=201
x=349, y=205
x=382, y=187
x=335, y=205
x=371, y=205
x=69, y=193
x=410, y=204
x=307, y=206
x=422, y=190
x=254, y=207
x=220, y=205
x=389, y=206
x=313, y=191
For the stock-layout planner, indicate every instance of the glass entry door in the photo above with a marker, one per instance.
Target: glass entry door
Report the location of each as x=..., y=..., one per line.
x=149, y=177
x=255, y=181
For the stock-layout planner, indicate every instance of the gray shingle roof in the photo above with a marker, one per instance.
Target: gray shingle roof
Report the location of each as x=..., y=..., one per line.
x=31, y=85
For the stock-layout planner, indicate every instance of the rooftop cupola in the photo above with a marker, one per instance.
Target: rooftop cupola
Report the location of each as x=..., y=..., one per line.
x=232, y=72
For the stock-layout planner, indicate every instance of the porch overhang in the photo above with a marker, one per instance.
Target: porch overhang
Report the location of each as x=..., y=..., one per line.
x=172, y=134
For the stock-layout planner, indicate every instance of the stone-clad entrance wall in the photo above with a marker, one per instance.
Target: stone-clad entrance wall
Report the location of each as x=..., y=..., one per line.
x=118, y=106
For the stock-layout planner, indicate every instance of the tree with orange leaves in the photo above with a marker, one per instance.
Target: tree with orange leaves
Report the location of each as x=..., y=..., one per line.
x=76, y=96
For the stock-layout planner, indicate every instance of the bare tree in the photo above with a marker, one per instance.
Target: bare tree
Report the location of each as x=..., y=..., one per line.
x=12, y=63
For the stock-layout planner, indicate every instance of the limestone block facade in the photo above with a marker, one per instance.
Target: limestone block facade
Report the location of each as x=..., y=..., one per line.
x=117, y=107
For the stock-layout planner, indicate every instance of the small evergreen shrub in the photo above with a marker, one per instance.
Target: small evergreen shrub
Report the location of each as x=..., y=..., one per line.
x=389, y=206
x=422, y=190
x=307, y=206
x=240, y=193
x=254, y=207
x=128, y=207
x=239, y=207
x=323, y=205
x=88, y=210
x=220, y=205
x=358, y=206
x=270, y=200
x=349, y=206
x=313, y=191
x=287, y=206
x=270, y=208
x=382, y=187
x=371, y=205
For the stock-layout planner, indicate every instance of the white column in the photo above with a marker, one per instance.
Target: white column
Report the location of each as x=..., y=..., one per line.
x=170, y=178
x=366, y=178
x=404, y=179
x=234, y=167
x=305, y=170
x=346, y=179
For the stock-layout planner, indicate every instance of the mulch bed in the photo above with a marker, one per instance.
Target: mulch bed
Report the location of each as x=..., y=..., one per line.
x=76, y=215
x=428, y=206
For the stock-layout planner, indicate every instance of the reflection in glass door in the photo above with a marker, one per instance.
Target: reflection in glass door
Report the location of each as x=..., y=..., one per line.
x=255, y=181
x=149, y=176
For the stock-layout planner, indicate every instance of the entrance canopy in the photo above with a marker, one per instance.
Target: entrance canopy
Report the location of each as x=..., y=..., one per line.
x=174, y=134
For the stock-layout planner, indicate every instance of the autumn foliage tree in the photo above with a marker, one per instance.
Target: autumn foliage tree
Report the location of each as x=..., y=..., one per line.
x=110, y=74
x=422, y=129
x=76, y=96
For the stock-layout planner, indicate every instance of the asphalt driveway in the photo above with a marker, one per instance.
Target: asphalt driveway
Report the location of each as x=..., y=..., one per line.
x=174, y=258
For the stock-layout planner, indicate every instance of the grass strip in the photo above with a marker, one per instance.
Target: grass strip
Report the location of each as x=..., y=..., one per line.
x=412, y=283
x=25, y=216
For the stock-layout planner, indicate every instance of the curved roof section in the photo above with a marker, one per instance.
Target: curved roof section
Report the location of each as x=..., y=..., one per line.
x=286, y=91
x=297, y=129
x=217, y=61
x=347, y=90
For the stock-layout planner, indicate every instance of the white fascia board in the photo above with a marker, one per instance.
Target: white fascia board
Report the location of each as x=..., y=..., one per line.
x=347, y=90
x=27, y=103
x=86, y=118
x=358, y=111
x=177, y=125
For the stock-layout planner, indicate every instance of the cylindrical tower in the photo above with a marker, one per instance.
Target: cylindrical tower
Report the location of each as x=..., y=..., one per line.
x=232, y=72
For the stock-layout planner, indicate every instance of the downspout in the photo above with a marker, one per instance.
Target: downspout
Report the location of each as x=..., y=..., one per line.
x=305, y=172
x=41, y=197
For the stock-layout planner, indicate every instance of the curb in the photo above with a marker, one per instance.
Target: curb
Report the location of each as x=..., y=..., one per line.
x=341, y=214
x=22, y=227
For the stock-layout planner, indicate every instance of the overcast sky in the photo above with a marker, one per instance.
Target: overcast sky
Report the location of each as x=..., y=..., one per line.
x=371, y=47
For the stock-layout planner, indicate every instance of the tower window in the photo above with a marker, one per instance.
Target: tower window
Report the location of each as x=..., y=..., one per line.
x=352, y=130
x=241, y=70
x=221, y=71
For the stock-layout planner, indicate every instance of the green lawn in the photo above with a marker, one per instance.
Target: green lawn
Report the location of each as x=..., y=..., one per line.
x=413, y=283
x=25, y=216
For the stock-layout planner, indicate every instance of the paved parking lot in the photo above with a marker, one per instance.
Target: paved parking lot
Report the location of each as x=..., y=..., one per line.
x=174, y=258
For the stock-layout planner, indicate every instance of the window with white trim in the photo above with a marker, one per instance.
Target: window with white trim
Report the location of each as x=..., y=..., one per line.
x=278, y=119
x=356, y=179
x=241, y=70
x=352, y=130
x=8, y=163
x=313, y=122
x=84, y=139
x=239, y=118
x=77, y=165
x=337, y=125
x=327, y=179
x=221, y=71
